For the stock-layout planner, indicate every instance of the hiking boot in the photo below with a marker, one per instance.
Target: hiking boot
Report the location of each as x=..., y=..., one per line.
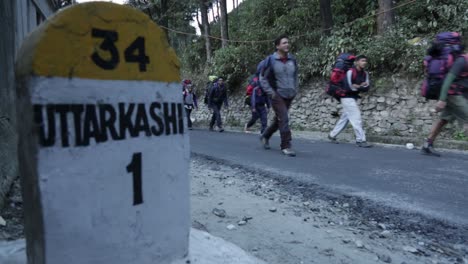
x=265, y=142
x=221, y=130
x=288, y=152
x=364, y=144
x=332, y=139
x=428, y=149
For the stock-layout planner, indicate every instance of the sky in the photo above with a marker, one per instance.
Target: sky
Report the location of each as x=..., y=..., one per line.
x=194, y=23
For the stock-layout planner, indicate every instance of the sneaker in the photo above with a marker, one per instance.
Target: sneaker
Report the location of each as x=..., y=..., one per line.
x=364, y=144
x=428, y=149
x=246, y=129
x=265, y=142
x=332, y=139
x=221, y=130
x=288, y=152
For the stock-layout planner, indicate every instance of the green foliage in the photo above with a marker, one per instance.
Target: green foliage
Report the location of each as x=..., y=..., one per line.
x=235, y=64
x=400, y=50
x=460, y=135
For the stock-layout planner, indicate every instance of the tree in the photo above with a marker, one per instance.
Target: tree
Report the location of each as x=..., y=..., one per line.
x=385, y=17
x=206, y=27
x=326, y=16
x=224, y=23
x=169, y=14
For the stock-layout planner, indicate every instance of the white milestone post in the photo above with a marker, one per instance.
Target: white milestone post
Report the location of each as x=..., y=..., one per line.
x=103, y=151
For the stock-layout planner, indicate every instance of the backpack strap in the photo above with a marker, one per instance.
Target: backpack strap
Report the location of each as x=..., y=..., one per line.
x=271, y=74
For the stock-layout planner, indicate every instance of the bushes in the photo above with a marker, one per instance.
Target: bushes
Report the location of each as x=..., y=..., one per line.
x=235, y=64
x=391, y=53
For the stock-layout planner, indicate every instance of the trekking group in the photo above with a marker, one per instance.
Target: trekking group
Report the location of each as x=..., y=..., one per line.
x=275, y=85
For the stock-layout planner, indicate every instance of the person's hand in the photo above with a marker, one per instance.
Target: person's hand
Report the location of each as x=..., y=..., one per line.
x=356, y=86
x=440, y=106
x=364, y=84
x=254, y=110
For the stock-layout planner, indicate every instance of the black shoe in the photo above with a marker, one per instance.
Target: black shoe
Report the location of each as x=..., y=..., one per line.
x=364, y=144
x=221, y=130
x=332, y=139
x=265, y=142
x=428, y=149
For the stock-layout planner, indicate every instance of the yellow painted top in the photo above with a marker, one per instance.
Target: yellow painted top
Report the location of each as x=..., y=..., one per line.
x=99, y=40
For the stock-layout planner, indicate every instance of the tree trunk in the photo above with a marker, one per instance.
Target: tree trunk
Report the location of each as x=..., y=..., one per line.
x=326, y=16
x=212, y=12
x=206, y=28
x=164, y=20
x=217, y=10
x=386, y=16
x=224, y=24
x=8, y=132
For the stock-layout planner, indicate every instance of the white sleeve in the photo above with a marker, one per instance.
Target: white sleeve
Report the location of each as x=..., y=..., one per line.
x=349, y=79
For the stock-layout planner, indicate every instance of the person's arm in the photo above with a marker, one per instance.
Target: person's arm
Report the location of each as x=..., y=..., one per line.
x=296, y=75
x=264, y=81
x=349, y=81
x=210, y=95
x=366, y=85
x=195, y=101
x=253, y=98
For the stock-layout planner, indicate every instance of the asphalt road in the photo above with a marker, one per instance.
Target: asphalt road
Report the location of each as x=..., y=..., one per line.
x=401, y=178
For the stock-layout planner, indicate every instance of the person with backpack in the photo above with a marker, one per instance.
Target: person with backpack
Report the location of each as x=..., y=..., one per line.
x=349, y=87
x=447, y=53
x=190, y=103
x=260, y=105
x=211, y=80
x=185, y=83
x=216, y=97
x=279, y=80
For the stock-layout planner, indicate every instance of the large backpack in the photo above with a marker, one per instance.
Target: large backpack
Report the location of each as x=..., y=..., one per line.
x=336, y=87
x=207, y=91
x=253, y=82
x=438, y=62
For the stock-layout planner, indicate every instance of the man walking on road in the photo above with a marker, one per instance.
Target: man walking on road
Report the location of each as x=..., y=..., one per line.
x=279, y=80
x=355, y=82
x=453, y=100
x=216, y=97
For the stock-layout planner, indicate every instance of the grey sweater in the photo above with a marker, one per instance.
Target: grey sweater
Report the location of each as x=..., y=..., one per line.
x=284, y=77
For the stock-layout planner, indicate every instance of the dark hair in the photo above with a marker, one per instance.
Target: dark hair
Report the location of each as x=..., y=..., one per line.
x=278, y=39
x=360, y=57
x=435, y=49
